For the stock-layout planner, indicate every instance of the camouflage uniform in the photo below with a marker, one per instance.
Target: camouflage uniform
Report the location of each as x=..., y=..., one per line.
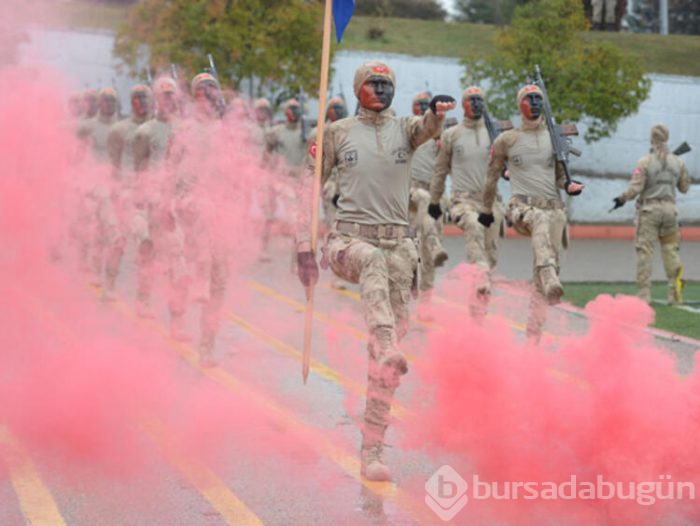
x=286, y=149
x=153, y=224
x=464, y=154
x=535, y=208
x=371, y=241
x=655, y=180
x=98, y=207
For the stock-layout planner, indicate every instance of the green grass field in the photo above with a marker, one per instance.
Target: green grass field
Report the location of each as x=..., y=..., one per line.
x=668, y=318
x=675, y=54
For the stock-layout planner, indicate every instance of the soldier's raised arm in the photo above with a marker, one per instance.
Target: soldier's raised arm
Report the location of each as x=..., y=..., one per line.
x=421, y=129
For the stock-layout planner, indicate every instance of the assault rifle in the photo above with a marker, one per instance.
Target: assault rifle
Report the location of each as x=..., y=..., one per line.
x=220, y=103
x=495, y=128
x=683, y=148
x=559, y=134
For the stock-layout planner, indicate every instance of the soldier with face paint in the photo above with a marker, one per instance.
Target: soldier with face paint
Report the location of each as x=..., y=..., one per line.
x=654, y=182
x=120, y=147
x=428, y=229
x=153, y=224
x=96, y=130
x=464, y=154
x=286, y=140
x=535, y=209
x=371, y=241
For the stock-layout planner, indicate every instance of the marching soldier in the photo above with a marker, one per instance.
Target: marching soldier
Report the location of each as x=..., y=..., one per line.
x=121, y=152
x=428, y=228
x=535, y=208
x=153, y=224
x=654, y=182
x=371, y=242
x=464, y=153
x=96, y=130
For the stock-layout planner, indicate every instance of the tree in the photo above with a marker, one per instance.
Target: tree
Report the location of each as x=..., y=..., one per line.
x=487, y=11
x=589, y=82
x=277, y=42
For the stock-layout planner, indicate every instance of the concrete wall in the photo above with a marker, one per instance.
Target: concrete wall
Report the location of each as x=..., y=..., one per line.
x=86, y=57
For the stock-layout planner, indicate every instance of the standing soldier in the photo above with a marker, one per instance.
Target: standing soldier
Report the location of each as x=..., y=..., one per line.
x=288, y=142
x=329, y=193
x=428, y=229
x=597, y=18
x=464, y=153
x=153, y=224
x=655, y=180
x=196, y=212
x=96, y=130
x=535, y=208
x=371, y=241
x=121, y=153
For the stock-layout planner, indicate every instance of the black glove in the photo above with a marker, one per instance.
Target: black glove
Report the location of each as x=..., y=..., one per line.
x=307, y=269
x=486, y=219
x=439, y=98
x=335, y=200
x=434, y=210
x=619, y=203
x=573, y=193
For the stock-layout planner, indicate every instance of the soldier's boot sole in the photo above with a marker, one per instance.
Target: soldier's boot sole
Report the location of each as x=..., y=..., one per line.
x=392, y=368
x=440, y=258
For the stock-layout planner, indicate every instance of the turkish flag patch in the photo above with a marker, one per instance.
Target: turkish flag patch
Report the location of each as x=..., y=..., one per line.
x=381, y=69
x=312, y=150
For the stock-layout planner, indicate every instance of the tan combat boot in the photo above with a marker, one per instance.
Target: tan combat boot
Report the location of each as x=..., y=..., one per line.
x=437, y=251
x=373, y=467
x=551, y=285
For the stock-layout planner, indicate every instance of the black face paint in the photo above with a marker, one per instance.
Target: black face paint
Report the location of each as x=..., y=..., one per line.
x=476, y=105
x=339, y=111
x=140, y=103
x=295, y=112
x=383, y=90
x=108, y=106
x=533, y=105
x=423, y=105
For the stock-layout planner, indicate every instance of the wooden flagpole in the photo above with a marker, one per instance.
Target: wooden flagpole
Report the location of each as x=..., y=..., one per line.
x=322, y=93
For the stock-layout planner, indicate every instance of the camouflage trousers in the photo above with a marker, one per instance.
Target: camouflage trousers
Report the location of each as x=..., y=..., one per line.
x=481, y=243
x=657, y=221
x=386, y=272
x=429, y=233
x=385, y=269
x=547, y=229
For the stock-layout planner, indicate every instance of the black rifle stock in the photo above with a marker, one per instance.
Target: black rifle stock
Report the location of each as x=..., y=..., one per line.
x=494, y=129
x=560, y=143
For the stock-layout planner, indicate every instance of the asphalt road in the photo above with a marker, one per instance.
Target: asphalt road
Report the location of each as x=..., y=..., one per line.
x=303, y=465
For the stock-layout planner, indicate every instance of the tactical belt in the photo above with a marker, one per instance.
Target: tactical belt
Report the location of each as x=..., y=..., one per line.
x=421, y=184
x=651, y=200
x=539, y=202
x=477, y=196
x=374, y=231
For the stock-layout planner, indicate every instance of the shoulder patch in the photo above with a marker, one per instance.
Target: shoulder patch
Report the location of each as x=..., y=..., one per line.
x=312, y=149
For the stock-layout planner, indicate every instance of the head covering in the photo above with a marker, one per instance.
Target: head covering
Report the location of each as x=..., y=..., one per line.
x=421, y=96
x=526, y=90
x=165, y=85
x=336, y=100
x=140, y=88
x=202, y=78
x=290, y=103
x=261, y=103
x=108, y=92
x=473, y=91
x=659, y=134
x=372, y=68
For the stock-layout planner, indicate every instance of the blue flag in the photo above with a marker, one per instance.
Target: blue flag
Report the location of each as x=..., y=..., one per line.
x=342, y=13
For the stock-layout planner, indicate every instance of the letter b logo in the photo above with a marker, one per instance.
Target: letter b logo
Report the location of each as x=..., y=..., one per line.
x=446, y=493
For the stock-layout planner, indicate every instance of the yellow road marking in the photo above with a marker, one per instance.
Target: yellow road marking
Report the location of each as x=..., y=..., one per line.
x=317, y=367
x=347, y=329
x=35, y=499
x=349, y=464
x=211, y=487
